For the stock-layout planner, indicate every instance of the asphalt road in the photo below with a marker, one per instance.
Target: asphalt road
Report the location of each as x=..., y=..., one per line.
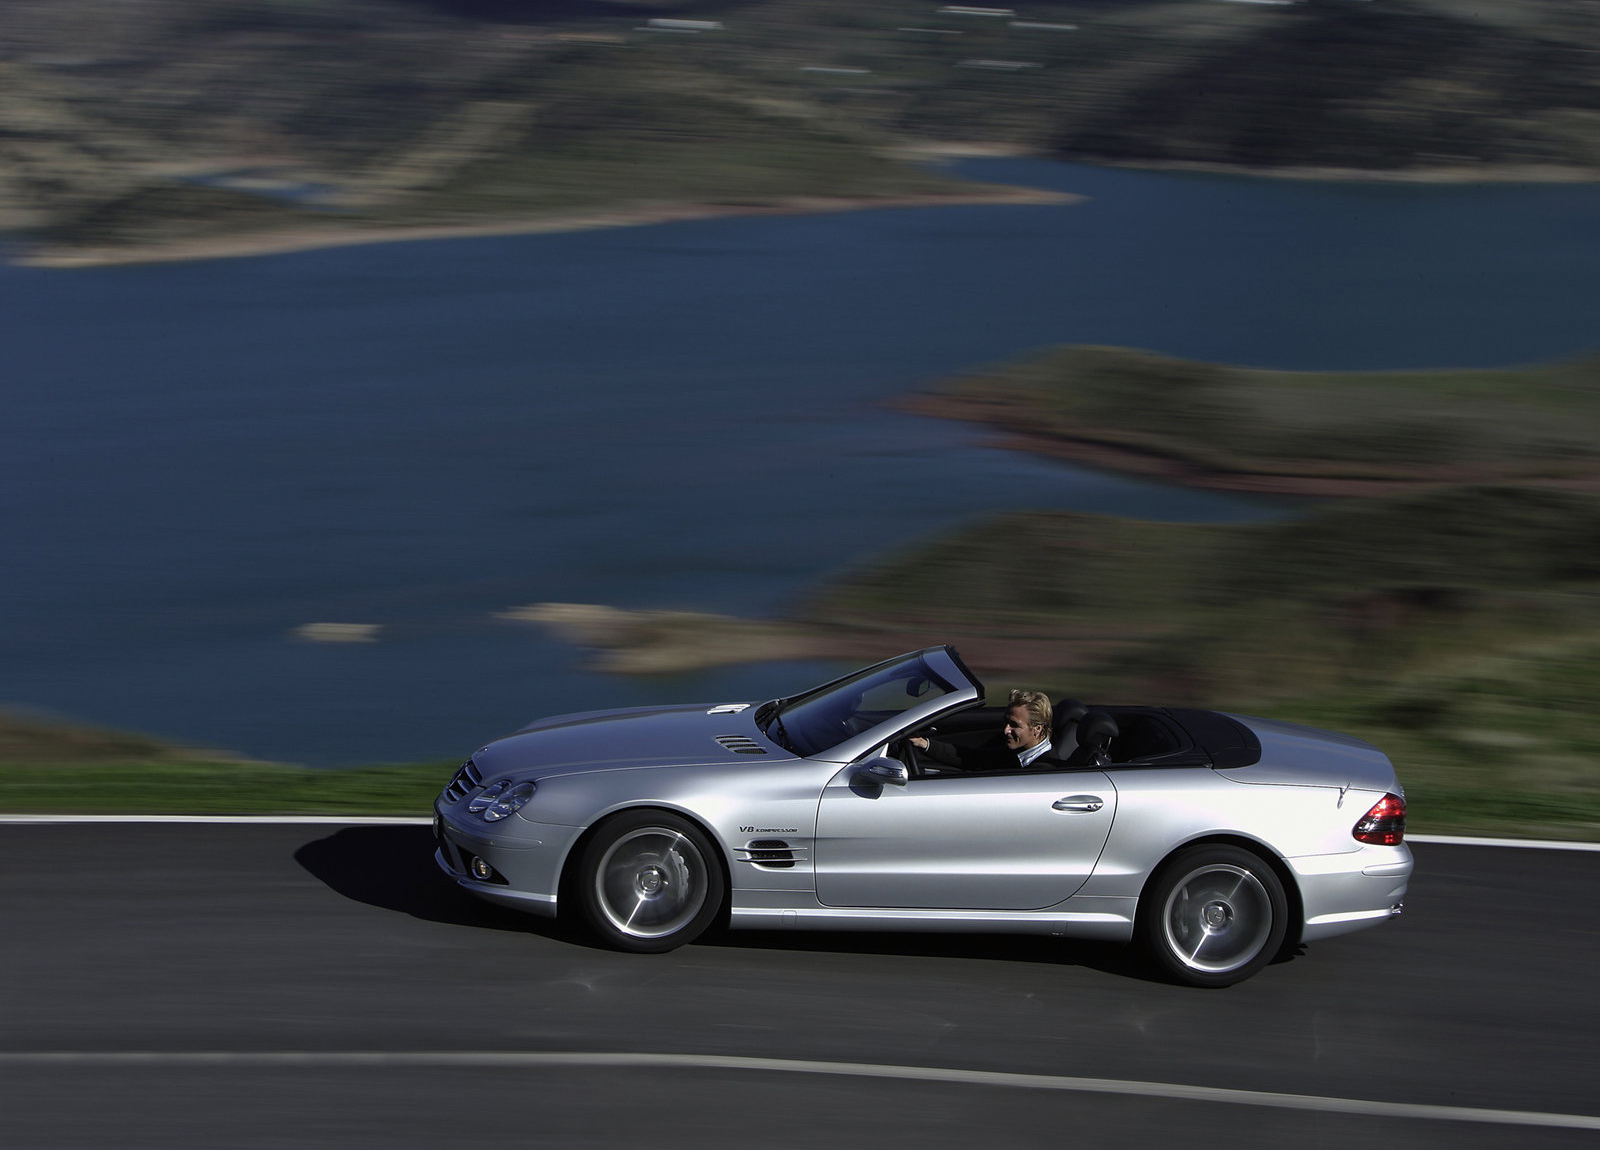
x=187, y=986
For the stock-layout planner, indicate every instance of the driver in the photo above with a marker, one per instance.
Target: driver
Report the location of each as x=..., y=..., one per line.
x=1024, y=739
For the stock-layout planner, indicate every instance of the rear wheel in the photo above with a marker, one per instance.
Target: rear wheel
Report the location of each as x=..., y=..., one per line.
x=649, y=881
x=1214, y=915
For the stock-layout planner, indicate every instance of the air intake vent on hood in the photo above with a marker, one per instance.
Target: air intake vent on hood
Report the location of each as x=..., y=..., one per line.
x=740, y=745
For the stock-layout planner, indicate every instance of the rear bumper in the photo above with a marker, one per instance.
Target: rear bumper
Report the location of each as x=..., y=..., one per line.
x=1346, y=892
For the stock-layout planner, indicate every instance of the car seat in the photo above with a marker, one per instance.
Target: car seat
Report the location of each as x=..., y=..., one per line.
x=1095, y=731
x=1064, y=728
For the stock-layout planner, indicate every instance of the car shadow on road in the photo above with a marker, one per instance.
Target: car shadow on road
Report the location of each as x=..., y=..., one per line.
x=1106, y=957
x=392, y=867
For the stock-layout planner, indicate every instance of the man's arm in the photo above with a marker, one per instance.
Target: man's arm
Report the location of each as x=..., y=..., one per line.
x=984, y=758
x=938, y=751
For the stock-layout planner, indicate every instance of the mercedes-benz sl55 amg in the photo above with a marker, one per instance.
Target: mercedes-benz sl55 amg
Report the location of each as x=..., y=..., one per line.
x=1214, y=841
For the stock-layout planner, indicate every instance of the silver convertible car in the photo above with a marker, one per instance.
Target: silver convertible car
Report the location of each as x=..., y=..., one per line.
x=1213, y=841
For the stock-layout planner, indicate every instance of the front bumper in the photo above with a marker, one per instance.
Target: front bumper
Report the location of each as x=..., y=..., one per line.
x=523, y=861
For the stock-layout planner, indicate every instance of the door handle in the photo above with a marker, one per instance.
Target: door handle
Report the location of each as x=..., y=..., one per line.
x=1079, y=803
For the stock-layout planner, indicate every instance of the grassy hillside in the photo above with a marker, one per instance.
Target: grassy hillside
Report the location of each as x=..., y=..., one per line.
x=1458, y=629
x=1348, y=84
x=349, y=113
x=57, y=768
x=1309, y=432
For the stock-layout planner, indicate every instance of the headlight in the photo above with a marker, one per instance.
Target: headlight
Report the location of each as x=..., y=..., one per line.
x=500, y=799
x=488, y=796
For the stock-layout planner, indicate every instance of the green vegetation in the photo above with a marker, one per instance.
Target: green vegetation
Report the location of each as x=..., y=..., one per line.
x=172, y=212
x=154, y=787
x=1505, y=743
x=1456, y=626
x=1306, y=430
x=415, y=113
x=1358, y=85
x=1458, y=629
x=589, y=133
x=48, y=767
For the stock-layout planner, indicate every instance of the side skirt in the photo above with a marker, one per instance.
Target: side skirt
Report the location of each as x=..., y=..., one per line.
x=1108, y=919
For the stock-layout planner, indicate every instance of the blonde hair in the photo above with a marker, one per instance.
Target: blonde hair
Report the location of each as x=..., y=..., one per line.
x=1037, y=705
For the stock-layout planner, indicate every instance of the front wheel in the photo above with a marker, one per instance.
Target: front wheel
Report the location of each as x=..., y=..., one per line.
x=649, y=882
x=1214, y=915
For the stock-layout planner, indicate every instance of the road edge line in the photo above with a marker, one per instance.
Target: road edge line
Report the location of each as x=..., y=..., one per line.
x=1361, y=1107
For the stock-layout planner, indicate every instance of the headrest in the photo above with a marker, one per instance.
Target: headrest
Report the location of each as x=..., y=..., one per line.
x=1064, y=727
x=1067, y=711
x=1096, y=729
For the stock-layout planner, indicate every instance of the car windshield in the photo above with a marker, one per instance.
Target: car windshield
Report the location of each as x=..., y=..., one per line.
x=809, y=724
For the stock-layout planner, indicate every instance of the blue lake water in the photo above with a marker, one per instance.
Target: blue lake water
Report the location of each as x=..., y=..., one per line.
x=196, y=458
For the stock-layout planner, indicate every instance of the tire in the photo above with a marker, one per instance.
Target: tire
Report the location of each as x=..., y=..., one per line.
x=649, y=882
x=1213, y=916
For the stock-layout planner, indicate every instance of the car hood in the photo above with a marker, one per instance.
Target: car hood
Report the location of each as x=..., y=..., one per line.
x=631, y=738
x=1311, y=756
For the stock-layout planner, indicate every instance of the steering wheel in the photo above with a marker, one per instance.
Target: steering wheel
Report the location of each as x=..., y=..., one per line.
x=906, y=751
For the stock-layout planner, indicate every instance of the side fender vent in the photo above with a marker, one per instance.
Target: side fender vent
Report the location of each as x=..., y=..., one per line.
x=741, y=745
x=772, y=854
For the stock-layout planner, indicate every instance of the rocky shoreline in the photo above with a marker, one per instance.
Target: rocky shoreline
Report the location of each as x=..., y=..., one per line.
x=1127, y=459
x=626, y=642
x=312, y=238
x=1442, y=174
x=638, y=215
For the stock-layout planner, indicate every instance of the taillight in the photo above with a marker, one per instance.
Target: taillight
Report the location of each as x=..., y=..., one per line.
x=1385, y=824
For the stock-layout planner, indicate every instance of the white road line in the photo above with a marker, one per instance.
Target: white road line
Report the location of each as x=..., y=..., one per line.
x=233, y=820
x=402, y=821
x=1530, y=844
x=523, y=1059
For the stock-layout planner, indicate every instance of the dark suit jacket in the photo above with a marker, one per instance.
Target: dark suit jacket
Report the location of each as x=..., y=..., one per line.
x=990, y=755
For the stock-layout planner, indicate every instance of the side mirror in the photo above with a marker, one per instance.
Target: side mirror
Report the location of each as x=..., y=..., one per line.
x=884, y=772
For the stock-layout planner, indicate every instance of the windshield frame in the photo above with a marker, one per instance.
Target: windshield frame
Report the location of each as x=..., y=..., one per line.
x=943, y=662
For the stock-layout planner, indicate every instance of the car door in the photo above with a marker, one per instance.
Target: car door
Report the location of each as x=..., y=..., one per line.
x=1014, y=841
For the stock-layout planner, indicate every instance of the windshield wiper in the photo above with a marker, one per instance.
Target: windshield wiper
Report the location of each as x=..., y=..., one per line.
x=769, y=718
